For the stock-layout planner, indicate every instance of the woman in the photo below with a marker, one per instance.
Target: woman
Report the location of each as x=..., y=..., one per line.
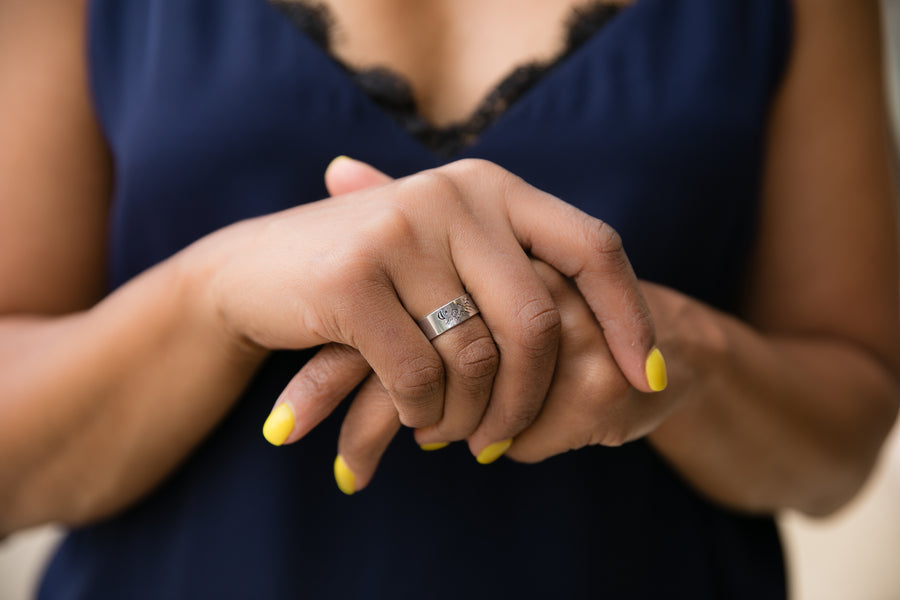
x=738, y=148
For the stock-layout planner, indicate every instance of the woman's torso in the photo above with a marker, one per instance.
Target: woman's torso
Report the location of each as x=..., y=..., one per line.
x=220, y=110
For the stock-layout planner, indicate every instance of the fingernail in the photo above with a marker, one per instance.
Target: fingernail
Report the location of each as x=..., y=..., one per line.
x=655, y=368
x=434, y=446
x=279, y=425
x=493, y=452
x=336, y=159
x=346, y=480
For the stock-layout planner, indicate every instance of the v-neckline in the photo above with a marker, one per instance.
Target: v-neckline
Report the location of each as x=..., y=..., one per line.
x=340, y=75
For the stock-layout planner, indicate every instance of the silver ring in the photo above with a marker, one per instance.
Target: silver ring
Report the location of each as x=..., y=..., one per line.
x=448, y=316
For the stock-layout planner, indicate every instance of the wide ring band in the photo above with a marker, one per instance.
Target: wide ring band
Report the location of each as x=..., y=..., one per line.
x=448, y=316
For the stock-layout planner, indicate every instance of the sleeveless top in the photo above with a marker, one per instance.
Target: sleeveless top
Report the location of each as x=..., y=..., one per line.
x=220, y=110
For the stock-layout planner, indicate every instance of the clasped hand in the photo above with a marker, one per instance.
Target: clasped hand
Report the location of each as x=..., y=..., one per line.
x=545, y=367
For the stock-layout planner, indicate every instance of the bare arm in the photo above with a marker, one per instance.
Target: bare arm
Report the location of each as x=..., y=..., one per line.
x=791, y=410
x=88, y=392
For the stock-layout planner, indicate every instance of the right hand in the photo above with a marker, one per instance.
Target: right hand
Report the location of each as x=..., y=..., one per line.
x=359, y=269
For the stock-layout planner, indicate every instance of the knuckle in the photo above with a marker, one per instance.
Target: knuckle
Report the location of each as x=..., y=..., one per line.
x=477, y=359
x=317, y=381
x=467, y=167
x=604, y=240
x=606, y=254
x=419, y=380
x=435, y=192
x=486, y=175
x=539, y=329
x=605, y=244
x=339, y=355
x=325, y=372
x=334, y=359
x=389, y=228
x=438, y=185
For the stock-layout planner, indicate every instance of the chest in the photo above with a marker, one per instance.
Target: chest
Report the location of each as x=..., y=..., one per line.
x=452, y=53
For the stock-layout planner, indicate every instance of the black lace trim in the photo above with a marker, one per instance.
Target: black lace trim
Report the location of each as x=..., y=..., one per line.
x=393, y=94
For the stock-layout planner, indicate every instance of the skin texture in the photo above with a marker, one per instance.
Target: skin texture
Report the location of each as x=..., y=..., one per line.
x=100, y=398
x=589, y=400
x=397, y=258
x=452, y=53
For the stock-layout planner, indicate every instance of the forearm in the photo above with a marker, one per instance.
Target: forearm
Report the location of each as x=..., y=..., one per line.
x=775, y=422
x=97, y=407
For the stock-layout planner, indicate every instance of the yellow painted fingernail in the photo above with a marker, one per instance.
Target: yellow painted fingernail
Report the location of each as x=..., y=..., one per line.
x=434, y=446
x=346, y=480
x=656, y=371
x=336, y=159
x=279, y=425
x=493, y=452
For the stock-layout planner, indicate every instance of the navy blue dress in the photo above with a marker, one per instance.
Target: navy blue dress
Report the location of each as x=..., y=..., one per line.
x=220, y=110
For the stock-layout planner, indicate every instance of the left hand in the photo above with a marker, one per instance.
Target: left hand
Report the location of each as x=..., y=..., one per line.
x=589, y=402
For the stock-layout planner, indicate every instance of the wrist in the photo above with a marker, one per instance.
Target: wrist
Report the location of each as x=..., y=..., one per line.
x=197, y=288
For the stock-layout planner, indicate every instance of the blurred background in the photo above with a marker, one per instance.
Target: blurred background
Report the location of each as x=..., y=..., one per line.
x=853, y=554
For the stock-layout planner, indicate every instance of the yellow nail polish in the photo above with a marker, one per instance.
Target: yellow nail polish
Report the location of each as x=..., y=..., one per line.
x=655, y=368
x=279, y=425
x=434, y=446
x=493, y=452
x=336, y=159
x=346, y=480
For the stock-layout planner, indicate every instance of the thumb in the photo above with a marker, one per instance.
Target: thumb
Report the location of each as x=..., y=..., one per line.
x=345, y=175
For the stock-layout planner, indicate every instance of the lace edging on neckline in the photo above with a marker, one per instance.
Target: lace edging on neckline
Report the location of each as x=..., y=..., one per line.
x=393, y=94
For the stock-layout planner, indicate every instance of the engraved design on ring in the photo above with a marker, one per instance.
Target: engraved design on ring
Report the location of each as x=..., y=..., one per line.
x=448, y=316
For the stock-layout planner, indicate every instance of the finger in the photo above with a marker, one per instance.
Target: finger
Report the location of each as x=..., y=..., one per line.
x=375, y=322
x=524, y=323
x=314, y=392
x=470, y=360
x=590, y=401
x=370, y=425
x=489, y=262
x=350, y=171
x=425, y=283
x=591, y=252
x=345, y=175
x=573, y=414
x=569, y=418
x=468, y=352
